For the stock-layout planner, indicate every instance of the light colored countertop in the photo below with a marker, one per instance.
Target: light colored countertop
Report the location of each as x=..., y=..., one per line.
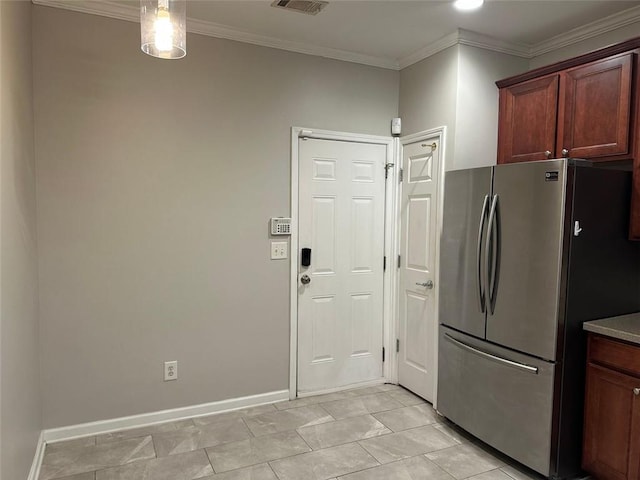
x=625, y=327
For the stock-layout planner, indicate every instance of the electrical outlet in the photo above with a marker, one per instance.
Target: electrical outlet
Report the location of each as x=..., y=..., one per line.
x=278, y=250
x=170, y=370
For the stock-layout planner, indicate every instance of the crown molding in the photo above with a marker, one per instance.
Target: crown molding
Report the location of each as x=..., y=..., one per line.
x=466, y=37
x=571, y=37
x=210, y=29
x=221, y=31
x=106, y=8
x=590, y=30
x=431, y=49
x=473, y=39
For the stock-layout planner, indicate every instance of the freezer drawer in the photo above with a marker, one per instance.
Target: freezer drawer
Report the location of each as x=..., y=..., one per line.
x=502, y=397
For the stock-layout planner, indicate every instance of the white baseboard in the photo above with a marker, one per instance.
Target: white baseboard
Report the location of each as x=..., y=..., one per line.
x=135, y=421
x=34, y=473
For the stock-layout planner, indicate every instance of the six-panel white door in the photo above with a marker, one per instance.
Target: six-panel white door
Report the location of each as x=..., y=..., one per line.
x=418, y=325
x=341, y=218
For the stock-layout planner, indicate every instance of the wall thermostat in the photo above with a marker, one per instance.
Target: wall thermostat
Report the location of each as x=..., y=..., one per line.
x=280, y=226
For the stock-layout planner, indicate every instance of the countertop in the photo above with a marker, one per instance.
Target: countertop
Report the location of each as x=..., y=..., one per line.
x=624, y=327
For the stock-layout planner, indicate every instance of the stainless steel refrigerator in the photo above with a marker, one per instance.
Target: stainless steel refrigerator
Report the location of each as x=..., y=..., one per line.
x=529, y=252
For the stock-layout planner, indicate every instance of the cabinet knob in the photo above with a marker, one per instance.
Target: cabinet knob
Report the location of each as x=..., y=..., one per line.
x=547, y=154
x=636, y=391
x=565, y=152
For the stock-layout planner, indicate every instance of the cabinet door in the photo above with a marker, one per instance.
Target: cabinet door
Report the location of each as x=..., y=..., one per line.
x=634, y=447
x=608, y=429
x=595, y=108
x=634, y=221
x=528, y=115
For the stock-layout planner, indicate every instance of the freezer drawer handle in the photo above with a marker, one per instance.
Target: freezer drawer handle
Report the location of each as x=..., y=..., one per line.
x=521, y=366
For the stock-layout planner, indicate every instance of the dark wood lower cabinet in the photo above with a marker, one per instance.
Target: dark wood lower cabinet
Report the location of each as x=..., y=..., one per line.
x=611, y=443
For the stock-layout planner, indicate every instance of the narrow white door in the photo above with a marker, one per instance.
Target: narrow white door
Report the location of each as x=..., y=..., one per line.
x=340, y=303
x=418, y=325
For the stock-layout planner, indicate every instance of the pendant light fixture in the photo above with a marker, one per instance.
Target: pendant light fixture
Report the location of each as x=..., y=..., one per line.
x=163, y=28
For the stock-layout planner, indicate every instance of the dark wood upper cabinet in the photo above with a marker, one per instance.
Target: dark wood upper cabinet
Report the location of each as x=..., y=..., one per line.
x=527, y=129
x=595, y=109
x=585, y=107
x=582, y=112
x=611, y=442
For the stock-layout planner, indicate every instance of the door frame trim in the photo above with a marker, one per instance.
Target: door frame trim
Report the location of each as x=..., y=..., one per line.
x=441, y=133
x=390, y=234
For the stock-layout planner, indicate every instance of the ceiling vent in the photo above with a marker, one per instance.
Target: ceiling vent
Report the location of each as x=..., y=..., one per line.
x=310, y=7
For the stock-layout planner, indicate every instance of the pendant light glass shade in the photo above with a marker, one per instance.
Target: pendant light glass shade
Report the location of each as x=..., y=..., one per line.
x=163, y=28
x=468, y=4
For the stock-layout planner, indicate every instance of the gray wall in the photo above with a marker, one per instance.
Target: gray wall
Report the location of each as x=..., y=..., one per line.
x=476, y=131
x=456, y=87
x=428, y=92
x=156, y=180
x=19, y=389
x=152, y=226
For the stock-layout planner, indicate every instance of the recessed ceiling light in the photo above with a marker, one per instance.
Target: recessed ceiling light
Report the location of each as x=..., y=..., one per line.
x=468, y=4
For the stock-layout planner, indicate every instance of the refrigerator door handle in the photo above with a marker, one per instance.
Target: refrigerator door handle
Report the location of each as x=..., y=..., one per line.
x=491, y=255
x=481, y=291
x=489, y=356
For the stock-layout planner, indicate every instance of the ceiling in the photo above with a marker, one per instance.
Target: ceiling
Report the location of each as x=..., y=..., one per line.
x=393, y=33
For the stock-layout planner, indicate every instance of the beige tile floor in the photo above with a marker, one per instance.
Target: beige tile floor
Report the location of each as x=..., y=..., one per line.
x=374, y=433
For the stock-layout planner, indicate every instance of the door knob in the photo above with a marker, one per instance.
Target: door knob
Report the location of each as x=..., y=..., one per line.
x=547, y=154
x=565, y=152
x=636, y=391
x=305, y=279
x=427, y=284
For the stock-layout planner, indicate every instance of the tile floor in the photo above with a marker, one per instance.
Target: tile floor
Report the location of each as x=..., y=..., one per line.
x=374, y=433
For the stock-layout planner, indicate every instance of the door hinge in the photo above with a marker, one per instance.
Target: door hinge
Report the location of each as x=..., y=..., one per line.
x=399, y=261
x=397, y=345
x=384, y=264
x=383, y=354
x=401, y=175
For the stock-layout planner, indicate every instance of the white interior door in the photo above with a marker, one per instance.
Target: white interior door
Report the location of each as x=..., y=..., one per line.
x=341, y=219
x=418, y=325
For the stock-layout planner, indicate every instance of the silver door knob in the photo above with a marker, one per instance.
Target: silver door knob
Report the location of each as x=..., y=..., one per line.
x=565, y=152
x=636, y=391
x=305, y=279
x=427, y=284
x=547, y=154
